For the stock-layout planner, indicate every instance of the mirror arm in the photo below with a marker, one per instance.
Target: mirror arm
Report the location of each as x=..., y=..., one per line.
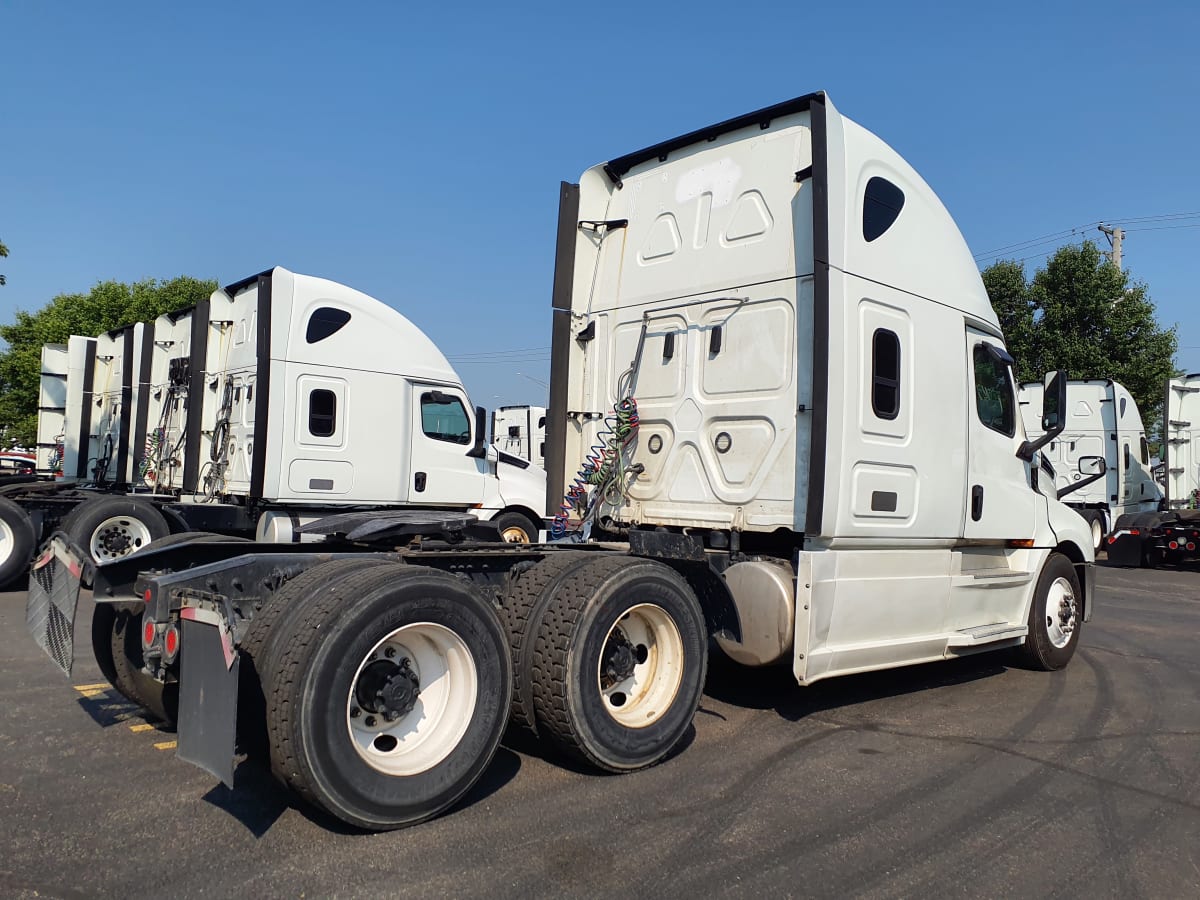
x=1072, y=488
x=1028, y=448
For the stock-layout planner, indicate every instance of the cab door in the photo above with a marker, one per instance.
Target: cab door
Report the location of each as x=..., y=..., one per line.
x=443, y=432
x=1000, y=503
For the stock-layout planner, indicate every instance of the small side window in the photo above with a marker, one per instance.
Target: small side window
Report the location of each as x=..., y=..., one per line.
x=323, y=322
x=885, y=374
x=541, y=421
x=882, y=203
x=1145, y=452
x=322, y=413
x=444, y=418
x=1128, y=457
x=1122, y=407
x=993, y=392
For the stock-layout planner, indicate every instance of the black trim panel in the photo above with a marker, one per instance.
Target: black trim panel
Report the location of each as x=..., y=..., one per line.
x=262, y=386
x=85, y=412
x=195, y=396
x=819, y=425
x=127, y=376
x=560, y=344
x=142, y=413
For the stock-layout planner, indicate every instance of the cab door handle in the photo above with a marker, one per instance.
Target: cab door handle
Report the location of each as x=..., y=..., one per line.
x=976, y=502
x=419, y=482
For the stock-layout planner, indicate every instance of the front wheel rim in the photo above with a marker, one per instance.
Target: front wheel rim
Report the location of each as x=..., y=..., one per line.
x=118, y=536
x=431, y=689
x=515, y=534
x=1060, y=612
x=641, y=666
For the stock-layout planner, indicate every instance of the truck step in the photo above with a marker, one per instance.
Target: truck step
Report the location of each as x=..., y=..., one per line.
x=985, y=634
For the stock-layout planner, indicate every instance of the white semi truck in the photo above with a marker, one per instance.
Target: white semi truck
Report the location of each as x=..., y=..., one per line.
x=1102, y=420
x=783, y=417
x=521, y=431
x=281, y=398
x=1172, y=534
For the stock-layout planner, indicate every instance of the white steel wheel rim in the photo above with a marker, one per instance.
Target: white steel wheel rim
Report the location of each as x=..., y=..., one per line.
x=118, y=536
x=646, y=694
x=8, y=541
x=1060, y=612
x=515, y=534
x=1097, y=534
x=424, y=736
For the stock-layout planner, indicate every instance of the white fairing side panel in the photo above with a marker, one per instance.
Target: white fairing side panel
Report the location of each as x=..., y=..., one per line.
x=1181, y=429
x=79, y=351
x=1102, y=420
x=52, y=409
x=107, y=407
x=231, y=375
x=170, y=360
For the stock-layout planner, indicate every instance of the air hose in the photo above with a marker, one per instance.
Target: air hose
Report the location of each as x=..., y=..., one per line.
x=602, y=476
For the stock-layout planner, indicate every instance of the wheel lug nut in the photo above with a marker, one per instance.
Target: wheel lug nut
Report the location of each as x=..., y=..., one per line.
x=369, y=721
x=355, y=712
x=390, y=652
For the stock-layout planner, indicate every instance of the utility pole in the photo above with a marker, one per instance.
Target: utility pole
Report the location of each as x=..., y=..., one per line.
x=1114, y=239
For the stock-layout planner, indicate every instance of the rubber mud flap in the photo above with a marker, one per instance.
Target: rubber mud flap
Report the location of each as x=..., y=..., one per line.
x=53, y=597
x=208, y=694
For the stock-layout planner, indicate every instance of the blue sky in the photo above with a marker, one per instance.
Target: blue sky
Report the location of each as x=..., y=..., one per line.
x=414, y=151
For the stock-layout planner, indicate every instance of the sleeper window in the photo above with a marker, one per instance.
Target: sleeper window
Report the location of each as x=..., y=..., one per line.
x=322, y=413
x=993, y=392
x=445, y=418
x=882, y=203
x=885, y=374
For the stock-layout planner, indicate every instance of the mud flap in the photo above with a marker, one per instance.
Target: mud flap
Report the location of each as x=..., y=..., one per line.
x=1125, y=548
x=53, y=597
x=208, y=690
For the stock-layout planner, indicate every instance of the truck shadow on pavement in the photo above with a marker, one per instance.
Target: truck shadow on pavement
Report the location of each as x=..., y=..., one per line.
x=775, y=687
x=257, y=800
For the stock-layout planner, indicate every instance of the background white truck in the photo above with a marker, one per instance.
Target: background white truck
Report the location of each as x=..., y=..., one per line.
x=521, y=431
x=280, y=399
x=775, y=448
x=1102, y=420
x=1172, y=535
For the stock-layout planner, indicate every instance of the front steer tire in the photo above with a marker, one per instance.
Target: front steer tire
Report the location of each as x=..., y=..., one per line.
x=607, y=613
x=462, y=702
x=1055, y=617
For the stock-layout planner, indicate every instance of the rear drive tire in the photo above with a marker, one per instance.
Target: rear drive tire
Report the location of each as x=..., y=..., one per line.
x=17, y=541
x=619, y=663
x=1055, y=617
x=109, y=528
x=407, y=641
x=522, y=604
x=272, y=618
x=161, y=699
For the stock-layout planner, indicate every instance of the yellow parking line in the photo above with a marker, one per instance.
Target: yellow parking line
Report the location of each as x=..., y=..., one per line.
x=94, y=692
x=103, y=686
x=138, y=729
x=165, y=745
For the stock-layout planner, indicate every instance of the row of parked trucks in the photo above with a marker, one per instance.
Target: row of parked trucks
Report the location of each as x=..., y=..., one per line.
x=782, y=419
x=278, y=400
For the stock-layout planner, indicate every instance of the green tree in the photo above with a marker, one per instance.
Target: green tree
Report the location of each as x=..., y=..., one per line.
x=3, y=253
x=108, y=305
x=1083, y=314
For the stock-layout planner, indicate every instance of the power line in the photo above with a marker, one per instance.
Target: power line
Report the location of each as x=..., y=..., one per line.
x=1143, y=223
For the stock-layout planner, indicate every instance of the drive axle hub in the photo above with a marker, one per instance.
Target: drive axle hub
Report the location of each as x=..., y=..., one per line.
x=388, y=689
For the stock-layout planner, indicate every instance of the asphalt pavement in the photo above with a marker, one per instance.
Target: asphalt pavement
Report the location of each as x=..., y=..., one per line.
x=967, y=778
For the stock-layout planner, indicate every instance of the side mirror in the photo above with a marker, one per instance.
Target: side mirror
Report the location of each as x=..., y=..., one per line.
x=479, y=451
x=1054, y=407
x=1054, y=401
x=1094, y=467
